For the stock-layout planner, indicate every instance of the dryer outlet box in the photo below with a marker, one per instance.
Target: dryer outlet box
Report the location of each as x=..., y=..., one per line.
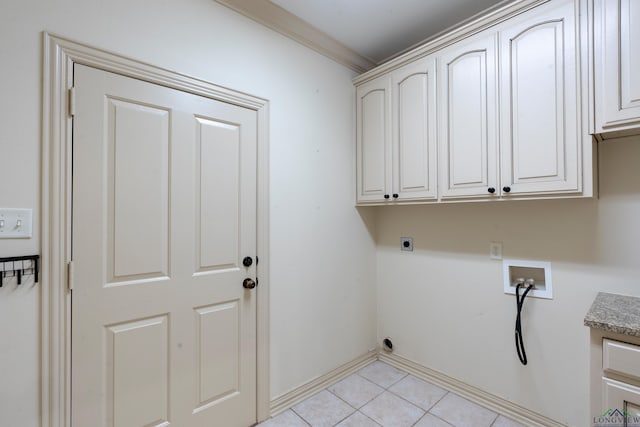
x=406, y=244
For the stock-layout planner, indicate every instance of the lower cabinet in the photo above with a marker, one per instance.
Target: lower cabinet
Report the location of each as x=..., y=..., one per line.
x=615, y=385
x=621, y=401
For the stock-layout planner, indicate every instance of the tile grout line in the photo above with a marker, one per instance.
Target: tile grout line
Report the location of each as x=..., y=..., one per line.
x=426, y=411
x=363, y=414
x=435, y=416
x=304, y=420
x=429, y=410
x=446, y=422
x=364, y=404
x=357, y=410
x=388, y=389
x=494, y=421
x=343, y=401
x=434, y=405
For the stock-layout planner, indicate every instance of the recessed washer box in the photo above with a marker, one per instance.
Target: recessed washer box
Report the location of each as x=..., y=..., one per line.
x=540, y=271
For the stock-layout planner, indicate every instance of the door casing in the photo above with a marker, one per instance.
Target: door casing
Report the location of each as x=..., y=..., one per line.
x=60, y=55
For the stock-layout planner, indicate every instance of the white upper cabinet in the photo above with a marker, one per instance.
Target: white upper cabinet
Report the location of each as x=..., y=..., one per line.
x=541, y=131
x=373, y=145
x=617, y=65
x=468, y=119
x=396, y=136
x=509, y=101
x=414, y=131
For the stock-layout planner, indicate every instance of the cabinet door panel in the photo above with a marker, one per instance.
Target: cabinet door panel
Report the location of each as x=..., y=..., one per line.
x=630, y=55
x=414, y=131
x=621, y=397
x=373, y=141
x=540, y=124
x=467, y=132
x=617, y=53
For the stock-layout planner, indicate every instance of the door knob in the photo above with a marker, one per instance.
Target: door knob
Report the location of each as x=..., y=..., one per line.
x=506, y=189
x=248, y=283
x=491, y=190
x=247, y=261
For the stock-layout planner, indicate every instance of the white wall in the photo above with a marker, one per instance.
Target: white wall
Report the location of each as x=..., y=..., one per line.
x=322, y=283
x=444, y=305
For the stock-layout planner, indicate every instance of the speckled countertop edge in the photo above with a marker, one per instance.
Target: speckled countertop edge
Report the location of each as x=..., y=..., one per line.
x=619, y=314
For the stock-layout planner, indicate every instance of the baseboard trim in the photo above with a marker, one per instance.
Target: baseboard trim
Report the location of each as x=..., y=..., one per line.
x=474, y=394
x=298, y=394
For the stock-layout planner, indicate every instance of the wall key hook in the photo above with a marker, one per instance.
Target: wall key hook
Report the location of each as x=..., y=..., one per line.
x=19, y=266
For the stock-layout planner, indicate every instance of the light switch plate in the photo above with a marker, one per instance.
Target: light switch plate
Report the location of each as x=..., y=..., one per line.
x=16, y=223
x=495, y=250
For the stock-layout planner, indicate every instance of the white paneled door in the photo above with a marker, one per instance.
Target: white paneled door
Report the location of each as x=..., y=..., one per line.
x=164, y=213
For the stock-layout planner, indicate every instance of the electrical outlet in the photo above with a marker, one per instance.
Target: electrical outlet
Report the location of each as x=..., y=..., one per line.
x=406, y=244
x=495, y=250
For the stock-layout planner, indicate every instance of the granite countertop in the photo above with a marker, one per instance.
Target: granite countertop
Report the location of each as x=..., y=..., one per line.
x=615, y=313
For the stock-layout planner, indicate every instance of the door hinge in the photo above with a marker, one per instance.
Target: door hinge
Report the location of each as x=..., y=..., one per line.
x=70, y=273
x=72, y=101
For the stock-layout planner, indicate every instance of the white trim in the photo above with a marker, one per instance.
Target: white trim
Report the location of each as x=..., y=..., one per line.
x=298, y=394
x=474, y=394
x=263, y=267
x=288, y=24
x=59, y=56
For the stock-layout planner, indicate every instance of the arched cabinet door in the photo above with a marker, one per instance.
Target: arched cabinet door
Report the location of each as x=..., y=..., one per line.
x=373, y=141
x=414, y=131
x=541, y=130
x=468, y=119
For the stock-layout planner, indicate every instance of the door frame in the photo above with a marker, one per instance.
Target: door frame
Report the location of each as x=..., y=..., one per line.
x=59, y=56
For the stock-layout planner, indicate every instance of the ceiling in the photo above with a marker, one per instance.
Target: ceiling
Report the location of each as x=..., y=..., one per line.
x=362, y=33
x=380, y=29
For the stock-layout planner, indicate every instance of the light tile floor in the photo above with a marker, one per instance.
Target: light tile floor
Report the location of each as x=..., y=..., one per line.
x=380, y=395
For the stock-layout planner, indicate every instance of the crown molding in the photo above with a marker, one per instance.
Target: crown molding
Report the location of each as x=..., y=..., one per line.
x=474, y=25
x=288, y=24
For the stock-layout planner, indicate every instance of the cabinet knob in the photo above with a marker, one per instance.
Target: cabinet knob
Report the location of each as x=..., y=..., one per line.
x=491, y=190
x=506, y=189
x=395, y=195
x=386, y=196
